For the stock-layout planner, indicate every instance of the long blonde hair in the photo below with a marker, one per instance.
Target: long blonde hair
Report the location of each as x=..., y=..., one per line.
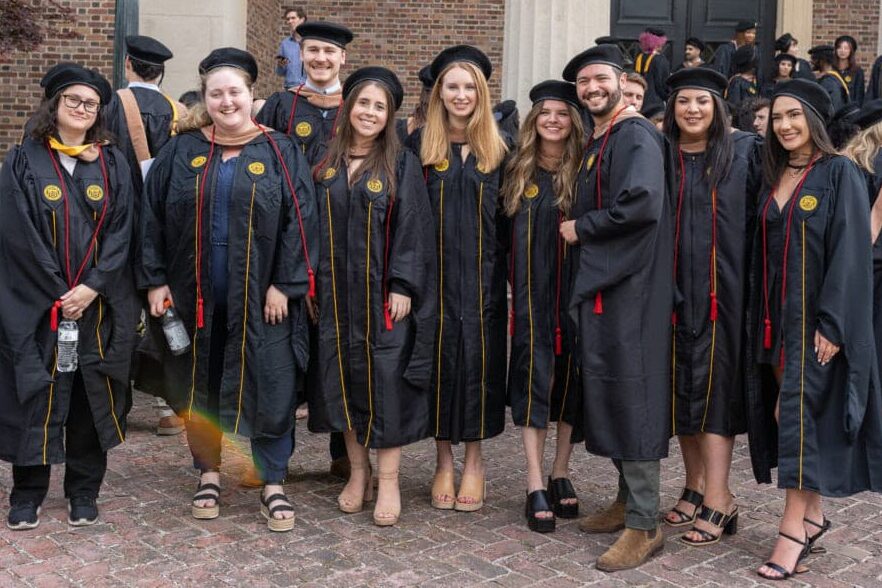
x=197, y=116
x=482, y=134
x=523, y=167
x=864, y=146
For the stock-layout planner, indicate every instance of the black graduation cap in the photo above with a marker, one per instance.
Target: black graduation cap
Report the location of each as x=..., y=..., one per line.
x=701, y=78
x=823, y=52
x=653, y=110
x=744, y=58
x=696, y=42
x=606, y=40
x=377, y=74
x=784, y=42
x=70, y=74
x=809, y=94
x=230, y=57
x=654, y=31
x=745, y=25
x=147, y=49
x=870, y=114
x=465, y=53
x=554, y=90
x=425, y=76
x=323, y=30
x=604, y=54
x=848, y=39
x=785, y=57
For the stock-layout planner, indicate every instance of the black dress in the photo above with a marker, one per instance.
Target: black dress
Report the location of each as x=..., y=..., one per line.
x=47, y=229
x=375, y=376
x=711, y=257
x=542, y=381
x=829, y=436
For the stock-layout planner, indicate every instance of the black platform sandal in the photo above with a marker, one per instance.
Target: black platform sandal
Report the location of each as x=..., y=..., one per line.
x=727, y=523
x=812, y=539
x=537, y=501
x=274, y=524
x=692, y=497
x=785, y=574
x=562, y=489
x=206, y=492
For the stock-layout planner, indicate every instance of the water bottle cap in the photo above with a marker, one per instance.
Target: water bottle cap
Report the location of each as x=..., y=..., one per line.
x=166, y=303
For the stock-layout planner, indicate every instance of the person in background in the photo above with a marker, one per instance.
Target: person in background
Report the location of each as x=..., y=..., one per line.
x=652, y=64
x=692, y=54
x=823, y=60
x=743, y=84
x=416, y=119
x=635, y=90
x=843, y=125
x=874, y=88
x=288, y=62
x=785, y=65
x=786, y=44
x=190, y=98
x=655, y=115
x=724, y=59
x=846, y=64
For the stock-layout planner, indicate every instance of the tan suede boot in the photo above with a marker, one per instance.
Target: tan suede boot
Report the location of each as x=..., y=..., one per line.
x=633, y=548
x=609, y=520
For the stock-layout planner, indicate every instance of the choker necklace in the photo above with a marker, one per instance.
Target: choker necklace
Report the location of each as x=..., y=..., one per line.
x=791, y=166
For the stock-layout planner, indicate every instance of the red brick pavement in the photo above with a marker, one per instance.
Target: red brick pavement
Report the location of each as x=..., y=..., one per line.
x=146, y=536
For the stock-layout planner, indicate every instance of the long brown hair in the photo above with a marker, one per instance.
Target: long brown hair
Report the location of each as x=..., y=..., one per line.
x=775, y=157
x=482, y=134
x=45, y=123
x=381, y=159
x=523, y=166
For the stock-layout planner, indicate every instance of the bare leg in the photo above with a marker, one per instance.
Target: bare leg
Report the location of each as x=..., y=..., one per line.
x=358, y=487
x=444, y=463
x=694, y=475
x=472, y=468
x=787, y=552
x=716, y=455
x=534, y=448
x=388, y=505
x=563, y=452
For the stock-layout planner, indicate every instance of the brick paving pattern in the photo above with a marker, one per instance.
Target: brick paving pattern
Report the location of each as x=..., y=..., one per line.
x=146, y=536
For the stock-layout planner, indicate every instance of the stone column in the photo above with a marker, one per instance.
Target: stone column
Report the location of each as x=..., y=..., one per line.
x=795, y=17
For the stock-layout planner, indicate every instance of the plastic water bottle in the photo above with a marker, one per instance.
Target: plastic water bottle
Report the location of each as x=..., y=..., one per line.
x=68, y=337
x=175, y=333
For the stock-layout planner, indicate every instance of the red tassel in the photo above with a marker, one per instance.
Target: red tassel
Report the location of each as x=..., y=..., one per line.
x=767, y=335
x=387, y=316
x=713, y=308
x=311, y=283
x=511, y=320
x=558, y=342
x=598, y=303
x=200, y=315
x=53, y=315
x=674, y=318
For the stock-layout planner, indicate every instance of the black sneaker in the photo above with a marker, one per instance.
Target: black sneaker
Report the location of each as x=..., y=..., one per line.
x=25, y=515
x=82, y=511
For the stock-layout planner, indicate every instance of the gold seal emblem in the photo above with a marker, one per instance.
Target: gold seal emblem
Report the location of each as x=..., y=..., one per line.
x=256, y=167
x=94, y=193
x=303, y=129
x=531, y=191
x=52, y=193
x=442, y=166
x=330, y=173
x=375, y=186
x=848, y=79
x=198, y=161
x=808, y=203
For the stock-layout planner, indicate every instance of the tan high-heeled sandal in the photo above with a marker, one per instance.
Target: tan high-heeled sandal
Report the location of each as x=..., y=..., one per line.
x=473, y=487
x=442, y=485
x=387, y=517
x=350, y=504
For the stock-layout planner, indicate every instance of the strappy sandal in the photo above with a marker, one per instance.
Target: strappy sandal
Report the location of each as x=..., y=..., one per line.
x=471, y=487
x=812, y=539
x=692, y=497
x=206, y=492
x=388, y=516
x=785, y=574
x=727, y=523
x=272, y=523
x=562, y=489
x=351, y=505
x=537, y=501
x=442, y=485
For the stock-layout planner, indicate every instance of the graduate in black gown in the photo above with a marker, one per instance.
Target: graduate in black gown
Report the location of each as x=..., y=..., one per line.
x=846, y=64
x=743, y=84
x=718, y=174
x=823, y=60
x=65, y=233
x=543, y=387
x=813, y=401
x=785, y=65
x=621, y=303
x=416, y=119
x=310, y=112
x=462, y=152
x=691, y=54
x=229, y=230
x=652, y=64
x=788, y=45
x=376, y=290
x=745, y=34
x=874, y=87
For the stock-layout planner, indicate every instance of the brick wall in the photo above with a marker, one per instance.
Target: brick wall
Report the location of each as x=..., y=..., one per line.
x=85, y=37
x=858, y=18
x=264, y=17
x=404, y=36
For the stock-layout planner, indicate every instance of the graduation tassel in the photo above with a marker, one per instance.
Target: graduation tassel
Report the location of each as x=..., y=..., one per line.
x=598, y=303
x=558, y=342
x=387, y=316
x=767, y=334
x=713, y=308
x=311, y=273
x=53, y=315
x=200, y=314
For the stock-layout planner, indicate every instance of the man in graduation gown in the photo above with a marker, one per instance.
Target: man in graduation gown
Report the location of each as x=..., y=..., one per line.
x=823, y=59
x=621, y=301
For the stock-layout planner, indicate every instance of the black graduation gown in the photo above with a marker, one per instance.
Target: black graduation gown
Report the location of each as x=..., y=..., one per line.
x=264, y=246
x=309, y=126
x=708, y=380
x=829, y=437
x=469, y=368
x=874, y=88
x=507, y=117
x=723, y=58
x=804, y=70
x=655, y=69
x=626, y=255
x=835, y=88
x=739, y=90
x=375, y=380
x=34, y=398
x=542, y=381
x=856, y=84
x=874, y=184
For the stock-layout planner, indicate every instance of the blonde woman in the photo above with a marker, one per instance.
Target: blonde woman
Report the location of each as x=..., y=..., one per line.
x=538, y=194
x=462, y=152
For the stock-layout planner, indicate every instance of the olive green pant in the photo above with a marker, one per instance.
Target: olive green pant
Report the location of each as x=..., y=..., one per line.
x=638, y=490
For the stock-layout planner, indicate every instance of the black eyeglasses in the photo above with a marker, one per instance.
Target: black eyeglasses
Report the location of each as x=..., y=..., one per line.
x=73, y=102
